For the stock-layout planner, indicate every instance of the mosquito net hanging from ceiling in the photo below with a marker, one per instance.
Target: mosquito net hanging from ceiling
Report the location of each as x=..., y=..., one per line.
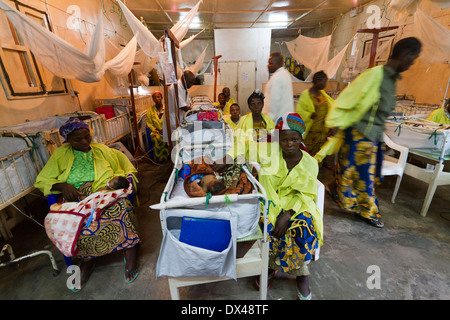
x=404, y=8
x=435, y=38
x=148, y=42
x=63, y=59
x=313, y=54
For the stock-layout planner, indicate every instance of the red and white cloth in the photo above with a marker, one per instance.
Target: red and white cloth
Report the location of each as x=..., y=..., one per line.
x=63, y=226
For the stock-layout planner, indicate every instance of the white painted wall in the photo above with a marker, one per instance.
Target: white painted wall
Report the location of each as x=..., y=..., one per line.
x=245, y=45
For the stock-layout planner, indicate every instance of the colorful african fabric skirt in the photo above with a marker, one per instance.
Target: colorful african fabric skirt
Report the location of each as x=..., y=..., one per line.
x=160, y=148
x=318, y=133
x=358, y=172
x=296, y=248
x=115, y=230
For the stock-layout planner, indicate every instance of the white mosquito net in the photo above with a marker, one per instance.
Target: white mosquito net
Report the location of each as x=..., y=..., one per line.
x=314, y=52
x=404, y=8
x=435, y=38
x=63, y=59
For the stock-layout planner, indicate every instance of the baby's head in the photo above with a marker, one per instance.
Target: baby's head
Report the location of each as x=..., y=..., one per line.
x=211, y=184
x=215, y=187
x=117, y=183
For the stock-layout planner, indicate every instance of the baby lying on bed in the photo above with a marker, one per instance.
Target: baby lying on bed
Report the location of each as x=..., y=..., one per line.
x=209, y=183
x=115, y=183
x=201, y=180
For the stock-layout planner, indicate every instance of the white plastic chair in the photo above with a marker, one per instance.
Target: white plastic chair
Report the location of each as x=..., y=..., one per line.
x=393, y=166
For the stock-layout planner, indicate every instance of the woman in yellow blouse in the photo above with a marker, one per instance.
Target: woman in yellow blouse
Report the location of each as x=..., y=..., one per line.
x=234, y=117
x=155, y=125
x=313, y=107
x=441, y=115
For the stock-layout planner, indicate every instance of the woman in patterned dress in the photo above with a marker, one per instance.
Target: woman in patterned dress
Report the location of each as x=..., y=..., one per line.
x=295, y=224
x=313, y=106
x=80, y=168
x=155, y=124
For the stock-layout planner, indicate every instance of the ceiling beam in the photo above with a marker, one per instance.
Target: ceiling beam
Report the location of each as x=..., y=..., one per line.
x=262, y=12
x=164, y=11
x=240, y=11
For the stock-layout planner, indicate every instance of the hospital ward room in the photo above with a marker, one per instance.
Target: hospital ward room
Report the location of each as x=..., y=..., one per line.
x=227, y=157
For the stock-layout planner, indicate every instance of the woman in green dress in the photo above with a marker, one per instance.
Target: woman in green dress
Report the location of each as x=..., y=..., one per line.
x=80, y=168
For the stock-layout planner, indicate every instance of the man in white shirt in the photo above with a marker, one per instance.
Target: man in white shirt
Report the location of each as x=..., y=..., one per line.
x=184, y=103
x=278, y=92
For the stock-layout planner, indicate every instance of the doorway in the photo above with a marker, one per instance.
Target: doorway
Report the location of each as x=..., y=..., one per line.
x=240, y=77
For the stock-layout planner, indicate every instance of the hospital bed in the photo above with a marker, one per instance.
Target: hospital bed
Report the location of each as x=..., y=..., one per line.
x=427, y=141
x=45, y=137
x=186, y=265
x=183, y=264
x=19, y=166
x=203, y=126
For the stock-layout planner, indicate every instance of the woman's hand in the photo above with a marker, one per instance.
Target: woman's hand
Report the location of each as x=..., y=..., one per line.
x=69, y=192
x=282, y=224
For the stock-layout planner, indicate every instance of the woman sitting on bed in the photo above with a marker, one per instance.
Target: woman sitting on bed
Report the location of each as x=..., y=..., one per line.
x=80, y=168
x=295, y=222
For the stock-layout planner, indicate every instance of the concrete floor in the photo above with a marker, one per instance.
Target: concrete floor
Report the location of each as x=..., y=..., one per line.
x=412, y=253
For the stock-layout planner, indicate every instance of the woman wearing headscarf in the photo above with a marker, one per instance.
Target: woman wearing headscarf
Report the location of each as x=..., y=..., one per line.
x=313, y=106
x=295, y=227
x=79, y=168
x=155, y=125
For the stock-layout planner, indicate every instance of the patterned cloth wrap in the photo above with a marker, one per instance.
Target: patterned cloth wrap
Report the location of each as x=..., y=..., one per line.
x=63, y=226
x=291, y=121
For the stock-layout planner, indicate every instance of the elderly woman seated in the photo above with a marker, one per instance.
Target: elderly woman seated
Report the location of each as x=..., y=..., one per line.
x=78, y=169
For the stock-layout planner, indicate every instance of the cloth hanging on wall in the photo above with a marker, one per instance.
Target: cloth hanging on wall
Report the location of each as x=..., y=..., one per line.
x=63, y=59
x=314, y=52
x=435, y=38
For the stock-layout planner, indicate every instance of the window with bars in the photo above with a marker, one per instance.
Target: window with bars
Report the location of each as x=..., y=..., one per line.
x=21, y=74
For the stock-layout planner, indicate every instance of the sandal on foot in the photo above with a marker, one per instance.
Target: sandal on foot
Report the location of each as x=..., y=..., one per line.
x=301, y=297
x=372, y=222
x=128, y=272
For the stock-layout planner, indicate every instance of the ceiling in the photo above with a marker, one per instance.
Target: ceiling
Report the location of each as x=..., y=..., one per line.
x=284, y=16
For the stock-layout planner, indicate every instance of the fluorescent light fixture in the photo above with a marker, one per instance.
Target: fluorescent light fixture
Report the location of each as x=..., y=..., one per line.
x=280, y=4
x=195, y=23
x=278, y=20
